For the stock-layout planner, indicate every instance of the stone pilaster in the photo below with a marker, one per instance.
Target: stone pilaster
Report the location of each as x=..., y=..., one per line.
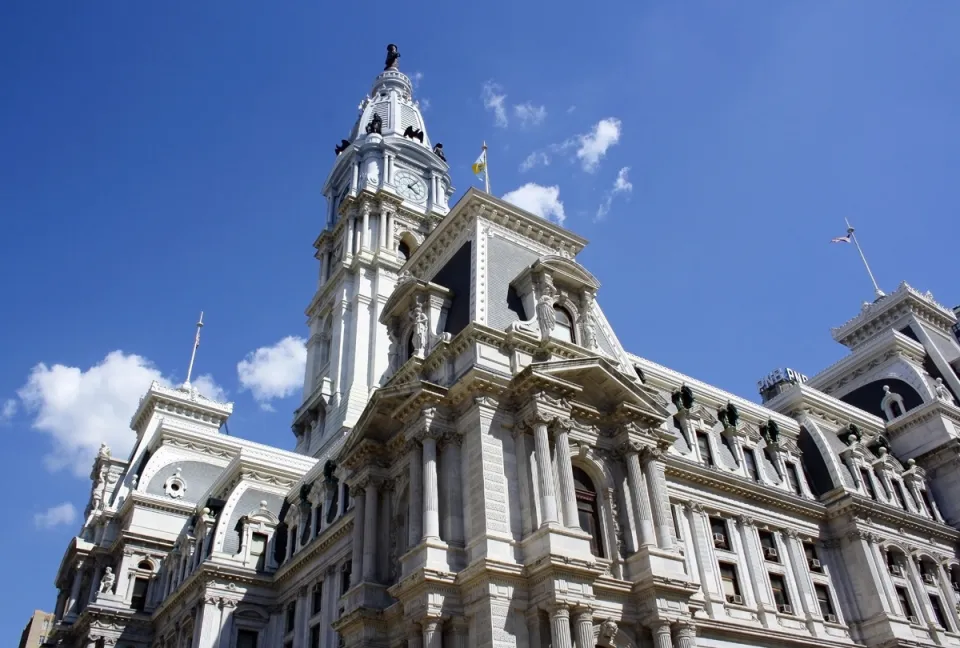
x=359, y=517
x=453, y=516
x=659, y=498
x=583, y=627
x=533, y=627
x=527, y=511
x=758, y=578
x=459, y=632
x=371, y=506
x=415, y=466
x=548, y=498
x=638, y=493
x=432, y=638
x=431, y=497
x=415, y=636
x=568, y=499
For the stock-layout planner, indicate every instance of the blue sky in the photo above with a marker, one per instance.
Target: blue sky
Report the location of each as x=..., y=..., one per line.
x=158, y=159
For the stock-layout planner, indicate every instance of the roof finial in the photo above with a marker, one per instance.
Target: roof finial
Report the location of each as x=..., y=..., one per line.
x=193, y=354
x=392, y=55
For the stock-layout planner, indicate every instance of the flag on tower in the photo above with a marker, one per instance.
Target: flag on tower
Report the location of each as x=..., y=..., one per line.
x=842, y=239
x=480, y=167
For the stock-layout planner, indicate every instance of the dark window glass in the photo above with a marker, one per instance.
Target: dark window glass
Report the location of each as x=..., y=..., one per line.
x=927, y=501
x=896, y=409
x=291, y=617
x=728, y=576
x=403, y=250
x=793, y=478
x=564, y=327
x=779, y=588
x=904, y=599
x=823, y=599
x=345, y=577
x=317, y=598
x=867, y=483
x=676, y=523
x=718, y=527
x=293, y=540
x=769, y=545
x=315, y=637
x=704, y=444
x=938, y=613
x=139, y=600
x=750, y=462
x=246, y=639
x=588, y=510
x=899, y=495
x=317, y=519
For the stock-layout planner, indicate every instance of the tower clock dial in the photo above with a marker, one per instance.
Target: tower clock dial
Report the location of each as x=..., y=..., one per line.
x=411, y=187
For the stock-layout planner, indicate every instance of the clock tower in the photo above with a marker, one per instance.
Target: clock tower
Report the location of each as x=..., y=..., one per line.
x=389, y=186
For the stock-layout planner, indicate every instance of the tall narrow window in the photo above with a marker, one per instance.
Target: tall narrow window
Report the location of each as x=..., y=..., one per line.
x=139, y=599
x=247, y=638
x=317, y=598
x=769, y=545
x=899, y=495
x=895, y=409
x=718, y=527
x=703, y=442
x=588, y=510
x=904, y=600
x=867, y=483
x=290, y=617
x=315, y=636
x=563, y=330
x=813, y=558
x=258, y=549
x=345, y=577
x=750, y=463
x=823, y=600
x=793, y=478
x=938, y=613
x=731, y=586
x=780, y=596
x=927, y=501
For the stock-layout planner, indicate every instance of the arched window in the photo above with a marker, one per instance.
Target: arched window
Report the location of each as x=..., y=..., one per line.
x=564, y=327
x=403, y=250
x=588, y=510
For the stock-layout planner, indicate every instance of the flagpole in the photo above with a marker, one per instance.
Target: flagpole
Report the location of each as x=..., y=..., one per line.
x=486, y=168
x=876, y=289
x=193, y=354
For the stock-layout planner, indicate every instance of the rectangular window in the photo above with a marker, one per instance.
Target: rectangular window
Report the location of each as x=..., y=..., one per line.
x=317, y=598
x=290, y=617
x=793, y=478
x=813, y=558
x=904, y=599
x=938, y=613
x=927, y=501
x=247, y=639
x=258, y=549
x=704, y=444
x=676, y=522
x=750, y=462
x=345, y=577
x=718, y=527
x=823, y=599
x=780, y=597
x=139, y=600
x=315, y=636
x=769, y=546
x=867, y=483
x=731, y=586
x=899, y=495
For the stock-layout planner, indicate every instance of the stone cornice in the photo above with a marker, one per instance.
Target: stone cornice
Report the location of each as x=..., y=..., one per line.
x=925, y=412
x=844, y=503
x=181, y=402
x=881, y=314
x=802, y=398
x=885, y=346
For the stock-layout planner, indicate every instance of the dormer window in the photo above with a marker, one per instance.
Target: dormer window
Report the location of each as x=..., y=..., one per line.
x=563, y=330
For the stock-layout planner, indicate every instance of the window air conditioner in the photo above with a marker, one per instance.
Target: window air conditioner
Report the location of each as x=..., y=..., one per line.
x=785, y=609
x=830, y=618
x=736, y=599
x=770, y=553
x=720, y=540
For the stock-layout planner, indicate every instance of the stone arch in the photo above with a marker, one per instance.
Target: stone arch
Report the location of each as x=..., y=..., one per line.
x=407, y=244
x=583, y=457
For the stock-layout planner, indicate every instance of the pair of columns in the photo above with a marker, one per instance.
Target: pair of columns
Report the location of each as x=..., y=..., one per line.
x=549, y=513
x=648, y=491
x=424, y=515
x=560, y=627
x=429, y=634
x=359, y=240
x=365, y=533
x=679, y=634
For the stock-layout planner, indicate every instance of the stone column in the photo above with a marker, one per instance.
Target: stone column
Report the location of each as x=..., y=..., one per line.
x=348, y=232
x=365, y=235
x=568, y=498
x=229, y=606
x=453, y=468
x=460, y=631
x=431, y=633
x=801, y=573
x=753, y=557
x=370, y=531
x=523, y=472
x=560, y=626
x=583, y=627
x=390, y=226
x=685, y=634
x=638, y=493
x=661, y=634
x=415, y=636
x=533, y=628
x=415, y=494
x=548, y=499
x=659, y=498
x=382, y=237
x=74, y=589
x=431, y=498
x=359, y=515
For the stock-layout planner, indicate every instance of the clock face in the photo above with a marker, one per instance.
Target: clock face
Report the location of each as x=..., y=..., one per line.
x=410, y=186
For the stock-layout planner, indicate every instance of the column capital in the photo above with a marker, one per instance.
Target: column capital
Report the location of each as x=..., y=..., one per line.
x=745, y=521
x=653, y=453
x=559, y=609
x=431, y=424
x=685, y=629
x=627, y=448
x=430, y=623
x=450, y=438
x=791, y=533
x=583, y=613
x=559, y=425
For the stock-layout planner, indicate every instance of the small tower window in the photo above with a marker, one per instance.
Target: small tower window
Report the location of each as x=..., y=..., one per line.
x=139, y=599
x=588, y=510
x=403, y=250
x=564, y=327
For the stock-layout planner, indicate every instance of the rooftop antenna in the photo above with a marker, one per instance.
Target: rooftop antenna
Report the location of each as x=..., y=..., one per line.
x=193, y=354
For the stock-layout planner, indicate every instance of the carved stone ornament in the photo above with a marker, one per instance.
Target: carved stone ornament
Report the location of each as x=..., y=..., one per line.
x=174, y=486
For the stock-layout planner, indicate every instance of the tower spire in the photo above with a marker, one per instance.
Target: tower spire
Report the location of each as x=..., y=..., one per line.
x=193, y=354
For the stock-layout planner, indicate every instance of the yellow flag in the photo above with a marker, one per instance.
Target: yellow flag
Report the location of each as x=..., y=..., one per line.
x=481, y=164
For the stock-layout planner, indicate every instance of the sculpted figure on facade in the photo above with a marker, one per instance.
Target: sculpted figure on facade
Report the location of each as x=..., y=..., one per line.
x=943, y=393
x=418, y=338
x=106, y=582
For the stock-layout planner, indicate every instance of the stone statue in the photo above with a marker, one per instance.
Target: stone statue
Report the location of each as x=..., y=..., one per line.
x=331, y=484
x=419, y=338
x=343, y=146
x=414, y=133
x=106, y=582
x=392, y=55
x=770, y=431
x=546, y=316
x=375, y=125
x=589, y=332
x=942, y=392
x=104, y=451
x=686, y=396
x=722, y=416
x=733, y=414
x=608, y=630
x=438, y=151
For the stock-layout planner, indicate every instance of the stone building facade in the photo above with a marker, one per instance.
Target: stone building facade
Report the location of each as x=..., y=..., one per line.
x=480, y=463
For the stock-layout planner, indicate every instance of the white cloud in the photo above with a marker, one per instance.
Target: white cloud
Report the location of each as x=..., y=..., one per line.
x=424, y=103
x=275, y=371
x=594, y=145
x=571, y=109
x=530, y=115
x=8, y=411
x=416, y=78
x=621, y=185
x=539, y=200
x=537, y=158
x=495, y=99
x=80, y=409
x=55, y=516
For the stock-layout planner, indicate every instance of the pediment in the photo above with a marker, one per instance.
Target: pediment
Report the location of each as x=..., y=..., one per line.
x=596, y=383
